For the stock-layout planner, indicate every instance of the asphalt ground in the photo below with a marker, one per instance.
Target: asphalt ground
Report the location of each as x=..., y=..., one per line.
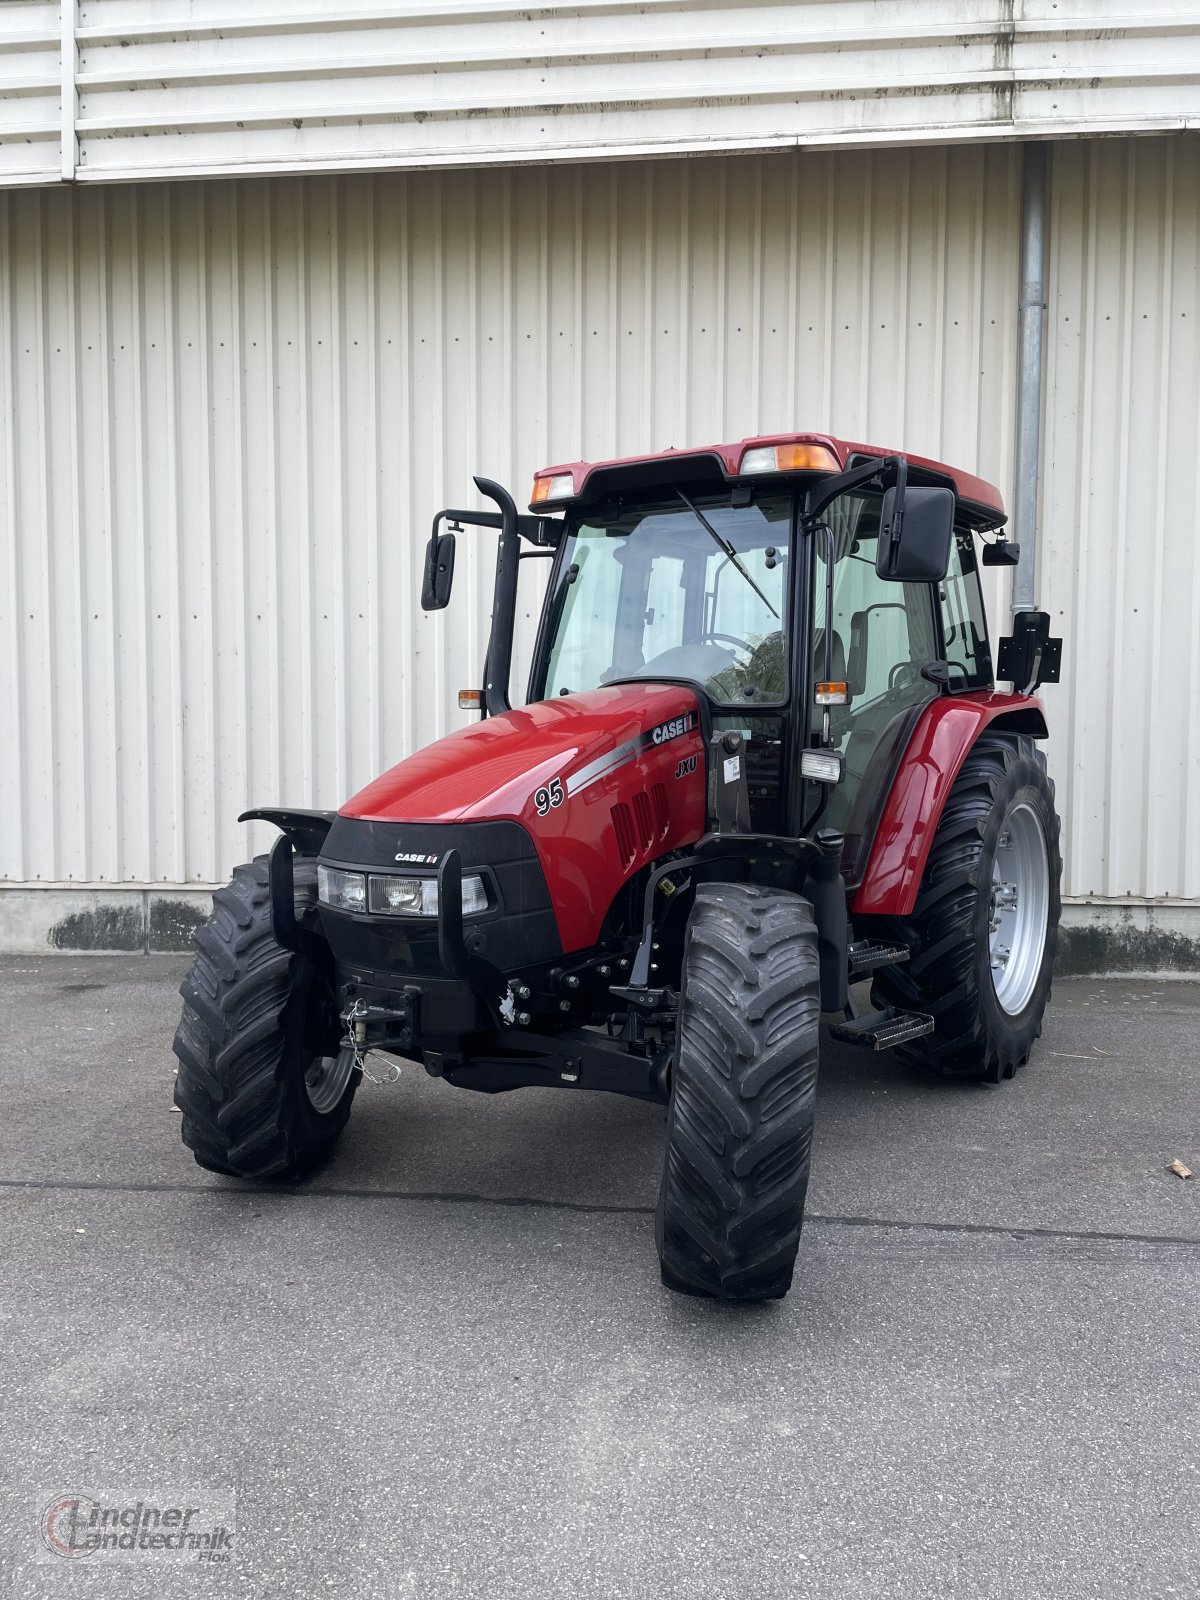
x=447, y=1366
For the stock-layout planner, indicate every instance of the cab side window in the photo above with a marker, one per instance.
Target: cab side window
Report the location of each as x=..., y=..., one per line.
x=883, y=635
x=964, y=626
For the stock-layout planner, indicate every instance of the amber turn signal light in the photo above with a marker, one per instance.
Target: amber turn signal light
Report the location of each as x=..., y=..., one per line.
x=561, y=486
x=790, y=458
x=832, y=694
x=470, y=699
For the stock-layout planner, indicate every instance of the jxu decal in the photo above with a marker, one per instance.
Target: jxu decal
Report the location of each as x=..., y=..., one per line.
x=549, y=796
x=688, y=764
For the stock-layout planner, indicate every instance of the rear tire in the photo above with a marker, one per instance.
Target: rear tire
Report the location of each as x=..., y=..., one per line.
x=743, y=1091
x=999, y=824
x=263, y=1085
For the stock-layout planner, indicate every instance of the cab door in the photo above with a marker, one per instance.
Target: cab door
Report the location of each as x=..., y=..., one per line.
x=884, y=634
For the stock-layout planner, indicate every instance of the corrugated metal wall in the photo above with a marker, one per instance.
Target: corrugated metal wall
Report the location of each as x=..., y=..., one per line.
x=101, y=89
x=1121, y=567
x=232, y=408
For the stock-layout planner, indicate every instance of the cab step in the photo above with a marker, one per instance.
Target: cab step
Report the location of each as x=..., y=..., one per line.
x=883, y=1029
x=865, y=955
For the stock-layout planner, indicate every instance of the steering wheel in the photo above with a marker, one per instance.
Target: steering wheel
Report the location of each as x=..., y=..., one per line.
x=726, y=638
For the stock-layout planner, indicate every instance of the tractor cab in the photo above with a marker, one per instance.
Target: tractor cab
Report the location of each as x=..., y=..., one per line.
x=761, y=757
x=755, y=573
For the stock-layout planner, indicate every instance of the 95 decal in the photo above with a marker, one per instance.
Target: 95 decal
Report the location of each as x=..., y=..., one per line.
x=549, y=796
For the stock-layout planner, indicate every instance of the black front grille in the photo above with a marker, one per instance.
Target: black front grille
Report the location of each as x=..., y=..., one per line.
x=518, y=932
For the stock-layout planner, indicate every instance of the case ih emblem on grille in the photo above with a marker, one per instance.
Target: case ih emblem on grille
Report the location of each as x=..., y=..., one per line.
x=416, y=858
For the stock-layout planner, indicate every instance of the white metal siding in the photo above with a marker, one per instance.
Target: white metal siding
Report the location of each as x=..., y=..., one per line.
x=231, y=410
x=1120, y=568
x=103, y=89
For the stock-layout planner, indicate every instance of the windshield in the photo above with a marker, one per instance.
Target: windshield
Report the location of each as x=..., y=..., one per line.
x=693, y=588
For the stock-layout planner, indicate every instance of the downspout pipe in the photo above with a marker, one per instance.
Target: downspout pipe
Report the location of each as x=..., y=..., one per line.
x=1030, y=362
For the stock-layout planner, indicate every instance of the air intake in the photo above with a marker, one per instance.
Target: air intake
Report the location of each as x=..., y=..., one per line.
x=623, y=829
x=645, y=824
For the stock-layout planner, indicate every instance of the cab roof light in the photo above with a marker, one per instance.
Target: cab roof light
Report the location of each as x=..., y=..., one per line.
x=790, y=458
x=559, y=487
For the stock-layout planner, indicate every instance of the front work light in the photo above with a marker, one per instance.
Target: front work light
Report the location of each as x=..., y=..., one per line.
x=418, y=897
x=823, y=766
x=341, y=891
x=790, y=458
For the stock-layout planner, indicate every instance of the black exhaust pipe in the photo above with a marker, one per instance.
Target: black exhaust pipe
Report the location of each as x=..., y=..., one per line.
x=504, y=600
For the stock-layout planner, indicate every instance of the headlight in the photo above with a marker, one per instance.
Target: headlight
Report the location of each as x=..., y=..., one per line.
x=418, y=897
x=343, y=891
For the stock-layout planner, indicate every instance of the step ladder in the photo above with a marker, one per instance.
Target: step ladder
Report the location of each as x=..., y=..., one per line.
x=883, y=1029
x=865, y=955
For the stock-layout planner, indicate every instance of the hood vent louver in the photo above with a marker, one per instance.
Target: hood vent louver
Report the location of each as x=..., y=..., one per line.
x=645, y=827
x=662, y=815
x=623, y=828
x=641, y=824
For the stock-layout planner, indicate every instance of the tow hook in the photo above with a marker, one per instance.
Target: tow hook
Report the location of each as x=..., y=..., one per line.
x=356, y=1041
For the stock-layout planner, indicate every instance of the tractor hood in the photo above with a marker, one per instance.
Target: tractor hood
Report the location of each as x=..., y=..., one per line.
x=495, y=768
x=600, y=784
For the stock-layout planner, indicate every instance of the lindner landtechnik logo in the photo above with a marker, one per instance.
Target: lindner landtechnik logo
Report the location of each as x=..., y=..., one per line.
x=75, y=1525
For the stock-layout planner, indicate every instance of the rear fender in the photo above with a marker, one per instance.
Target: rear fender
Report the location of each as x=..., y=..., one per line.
x=940, y=743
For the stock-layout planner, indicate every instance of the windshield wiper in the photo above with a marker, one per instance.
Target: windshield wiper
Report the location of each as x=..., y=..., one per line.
x=725, y=545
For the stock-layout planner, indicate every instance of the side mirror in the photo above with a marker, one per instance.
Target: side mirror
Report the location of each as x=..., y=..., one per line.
x=439, y=572
x=916, y=528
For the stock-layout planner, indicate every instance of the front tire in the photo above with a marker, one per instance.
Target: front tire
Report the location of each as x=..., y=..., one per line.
x=743, y=1091
x=263, y=1084
x=984, y=930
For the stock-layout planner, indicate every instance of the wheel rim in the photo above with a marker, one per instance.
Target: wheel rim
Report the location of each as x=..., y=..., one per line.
x=1019, y=909
x=326, y=1079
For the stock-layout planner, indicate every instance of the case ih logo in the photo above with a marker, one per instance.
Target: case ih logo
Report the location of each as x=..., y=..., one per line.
x=672, y=729
x=412, y=859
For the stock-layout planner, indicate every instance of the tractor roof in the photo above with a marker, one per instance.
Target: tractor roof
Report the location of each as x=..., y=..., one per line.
x=980, y=503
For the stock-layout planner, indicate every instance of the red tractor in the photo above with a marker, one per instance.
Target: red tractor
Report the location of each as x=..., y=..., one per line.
x=762, y=756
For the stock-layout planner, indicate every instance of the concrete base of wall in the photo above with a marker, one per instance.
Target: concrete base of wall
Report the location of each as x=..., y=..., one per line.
x=104, y=920
x=1119, y=940
x=1096, y=940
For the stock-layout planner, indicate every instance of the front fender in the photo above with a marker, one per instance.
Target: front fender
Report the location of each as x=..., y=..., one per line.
x=306, y=830
x=940, y=743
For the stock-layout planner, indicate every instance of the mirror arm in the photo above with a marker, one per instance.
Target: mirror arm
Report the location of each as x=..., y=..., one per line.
x=830, y=552
x=893, y=532
x=475, y=519
x=823, y=493
x=546, y=532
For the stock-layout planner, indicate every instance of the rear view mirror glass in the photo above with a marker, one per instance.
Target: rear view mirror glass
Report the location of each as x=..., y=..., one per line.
x=439, y=572
x=921, y=553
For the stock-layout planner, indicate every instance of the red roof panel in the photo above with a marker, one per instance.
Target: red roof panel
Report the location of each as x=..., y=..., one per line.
x=966, y=485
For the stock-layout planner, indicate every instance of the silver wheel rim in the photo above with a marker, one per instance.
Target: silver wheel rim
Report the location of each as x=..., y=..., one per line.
x=1019, y=908
x=326, y=1079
